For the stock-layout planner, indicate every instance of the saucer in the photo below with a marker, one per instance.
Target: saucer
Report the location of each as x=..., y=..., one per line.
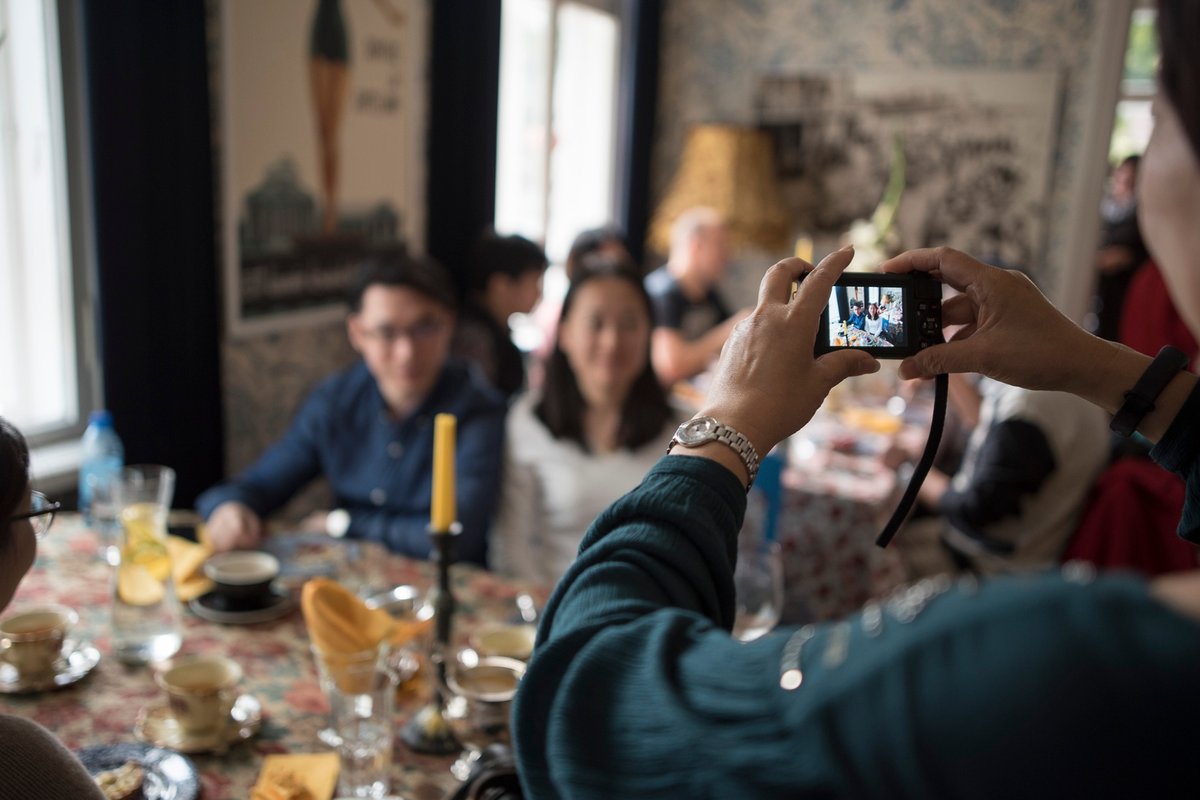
x=76, y=661
x=214, y=608
x=157, y=725
x=169, y=775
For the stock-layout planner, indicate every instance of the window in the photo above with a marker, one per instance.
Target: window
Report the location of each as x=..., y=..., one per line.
x=1132, y=126
x=556, y=138
x=46, y=388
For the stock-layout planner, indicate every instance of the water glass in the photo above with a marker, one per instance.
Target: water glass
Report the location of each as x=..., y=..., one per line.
x=758, y=584
x=145, y=616
x=361, y=689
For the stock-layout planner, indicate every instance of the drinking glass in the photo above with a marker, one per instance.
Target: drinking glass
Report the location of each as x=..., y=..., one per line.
x=361, y=690
x=758, y=584
x=145, y=617
x=478, y=701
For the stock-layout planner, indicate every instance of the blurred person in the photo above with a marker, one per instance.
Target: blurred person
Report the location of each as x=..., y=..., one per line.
x=1016, y=499
x=691, y=321
x=1064, y=684
x=599, y=422
x=504, y=277
x=1121, y=249
x=32, y=762
x=369, y=429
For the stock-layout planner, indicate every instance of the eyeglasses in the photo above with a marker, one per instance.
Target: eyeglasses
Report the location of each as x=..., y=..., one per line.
x=423, y=331
x=41, y=517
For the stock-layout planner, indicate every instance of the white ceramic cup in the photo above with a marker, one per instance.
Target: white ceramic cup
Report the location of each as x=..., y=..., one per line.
x=200, y=692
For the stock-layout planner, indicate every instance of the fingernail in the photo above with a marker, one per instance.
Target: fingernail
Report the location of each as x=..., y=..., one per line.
x=847, y=247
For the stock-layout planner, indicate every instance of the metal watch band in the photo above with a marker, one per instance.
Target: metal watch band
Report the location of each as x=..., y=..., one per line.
x=720, y=432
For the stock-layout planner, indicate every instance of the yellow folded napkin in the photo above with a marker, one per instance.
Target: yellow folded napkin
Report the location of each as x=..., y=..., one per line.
x=339, y=622
x=187, y=562
x=297, y=777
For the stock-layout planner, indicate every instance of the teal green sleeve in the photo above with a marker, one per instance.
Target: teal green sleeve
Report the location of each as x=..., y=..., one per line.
x=1026, y=687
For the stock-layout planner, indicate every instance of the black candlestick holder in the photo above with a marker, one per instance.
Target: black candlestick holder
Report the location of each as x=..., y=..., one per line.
x=427, y=731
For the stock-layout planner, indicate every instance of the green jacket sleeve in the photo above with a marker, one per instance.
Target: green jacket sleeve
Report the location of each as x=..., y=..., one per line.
x=1024, y=687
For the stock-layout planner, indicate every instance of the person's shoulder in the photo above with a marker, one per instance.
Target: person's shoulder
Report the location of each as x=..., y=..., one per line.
x=525, y=430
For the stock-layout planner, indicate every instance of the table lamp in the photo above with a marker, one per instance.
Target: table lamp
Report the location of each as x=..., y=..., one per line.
x=729, y=168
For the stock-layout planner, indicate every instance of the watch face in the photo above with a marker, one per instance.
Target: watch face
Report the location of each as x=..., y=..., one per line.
x=697, y=431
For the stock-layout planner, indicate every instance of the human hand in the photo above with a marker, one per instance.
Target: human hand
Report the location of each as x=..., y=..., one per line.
x=234, y=526
x=1009, y=332
x=768, y=384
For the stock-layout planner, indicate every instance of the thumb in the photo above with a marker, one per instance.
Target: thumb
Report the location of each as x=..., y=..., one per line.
x=846, y=364
x=951, y=357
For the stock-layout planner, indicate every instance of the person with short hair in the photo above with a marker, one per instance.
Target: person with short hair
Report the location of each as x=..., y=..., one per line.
x=504, y=277
x=369, y=429
x=691, y=320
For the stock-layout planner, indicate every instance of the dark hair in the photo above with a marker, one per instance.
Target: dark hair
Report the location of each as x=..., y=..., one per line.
x=503, y=255
x=561, y=408
x=422, y=275
x=1179, y=73
x=590, y=241
x=14, y=468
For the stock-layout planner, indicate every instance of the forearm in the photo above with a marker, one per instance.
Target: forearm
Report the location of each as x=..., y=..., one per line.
x=1108, y=370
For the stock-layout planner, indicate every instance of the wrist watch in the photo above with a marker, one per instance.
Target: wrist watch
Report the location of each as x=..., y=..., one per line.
x=337, y=522
x=702, y=430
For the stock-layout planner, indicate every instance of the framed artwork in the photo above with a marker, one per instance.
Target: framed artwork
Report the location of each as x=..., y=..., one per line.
x=322, y=114
x=958, y=157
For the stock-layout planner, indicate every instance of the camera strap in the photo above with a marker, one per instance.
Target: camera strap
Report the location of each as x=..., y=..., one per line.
x=937, y=422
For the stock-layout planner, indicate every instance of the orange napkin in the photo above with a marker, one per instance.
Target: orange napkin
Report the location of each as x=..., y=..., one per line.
x=187, y=562
x=297, y=777
x=339, y=622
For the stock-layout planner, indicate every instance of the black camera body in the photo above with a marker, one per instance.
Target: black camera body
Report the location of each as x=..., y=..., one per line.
x=888, y=315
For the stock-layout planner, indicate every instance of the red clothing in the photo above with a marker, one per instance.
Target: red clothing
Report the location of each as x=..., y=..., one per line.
x=1149, y=319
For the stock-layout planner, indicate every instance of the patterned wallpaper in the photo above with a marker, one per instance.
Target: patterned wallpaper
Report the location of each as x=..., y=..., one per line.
x=715, y=51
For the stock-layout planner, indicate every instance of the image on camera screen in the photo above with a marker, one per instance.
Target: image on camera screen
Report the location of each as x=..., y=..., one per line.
x=867, y=316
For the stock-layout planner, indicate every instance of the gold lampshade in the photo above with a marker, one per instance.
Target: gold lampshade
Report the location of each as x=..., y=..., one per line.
x=730, y=168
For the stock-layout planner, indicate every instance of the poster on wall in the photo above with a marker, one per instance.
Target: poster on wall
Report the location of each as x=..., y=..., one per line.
x=322, y=112
x=951, y=157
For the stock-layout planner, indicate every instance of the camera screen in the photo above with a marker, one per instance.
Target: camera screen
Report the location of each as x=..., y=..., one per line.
x=867, y=316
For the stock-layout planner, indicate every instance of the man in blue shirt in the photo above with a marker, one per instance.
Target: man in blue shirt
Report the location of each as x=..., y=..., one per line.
x=369, y=428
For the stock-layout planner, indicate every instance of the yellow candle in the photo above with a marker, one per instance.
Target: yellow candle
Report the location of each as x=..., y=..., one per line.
x=804, y=248
x=444, y=509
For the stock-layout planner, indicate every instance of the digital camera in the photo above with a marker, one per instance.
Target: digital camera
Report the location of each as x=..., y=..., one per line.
x=888, y=315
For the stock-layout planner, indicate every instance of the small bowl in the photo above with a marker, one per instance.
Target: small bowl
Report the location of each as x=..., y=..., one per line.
x=506, y=641
x=242, y=575
x=401, y=602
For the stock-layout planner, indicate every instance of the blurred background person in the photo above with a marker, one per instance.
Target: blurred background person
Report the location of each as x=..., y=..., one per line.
x=504, y=277
x=1016, y=499
x=369, y=428
x=1121, y=250
x=600, y=420
x=691, y=321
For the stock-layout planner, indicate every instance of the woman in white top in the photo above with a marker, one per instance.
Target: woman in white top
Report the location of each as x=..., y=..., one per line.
x=601, y=420
x=874, y=321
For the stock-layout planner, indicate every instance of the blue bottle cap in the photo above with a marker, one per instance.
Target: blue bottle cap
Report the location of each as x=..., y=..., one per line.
x=100, y=418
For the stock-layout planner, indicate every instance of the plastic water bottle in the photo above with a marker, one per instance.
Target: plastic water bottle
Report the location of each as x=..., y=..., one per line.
x=103, y=456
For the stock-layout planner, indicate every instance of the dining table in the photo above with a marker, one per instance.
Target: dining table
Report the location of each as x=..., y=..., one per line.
x=275, y=656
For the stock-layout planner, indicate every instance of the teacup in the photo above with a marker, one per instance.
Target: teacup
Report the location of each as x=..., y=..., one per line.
x=242, y=577
x=32, y=641
x=200, y=692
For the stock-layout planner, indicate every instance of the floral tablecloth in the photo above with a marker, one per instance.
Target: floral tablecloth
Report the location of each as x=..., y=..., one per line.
x=278, y=666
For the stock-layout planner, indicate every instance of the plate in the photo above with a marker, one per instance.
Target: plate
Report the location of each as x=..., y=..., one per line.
x=211, y=606
x=169, y=775
x=156, y=725
x=78, y=659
